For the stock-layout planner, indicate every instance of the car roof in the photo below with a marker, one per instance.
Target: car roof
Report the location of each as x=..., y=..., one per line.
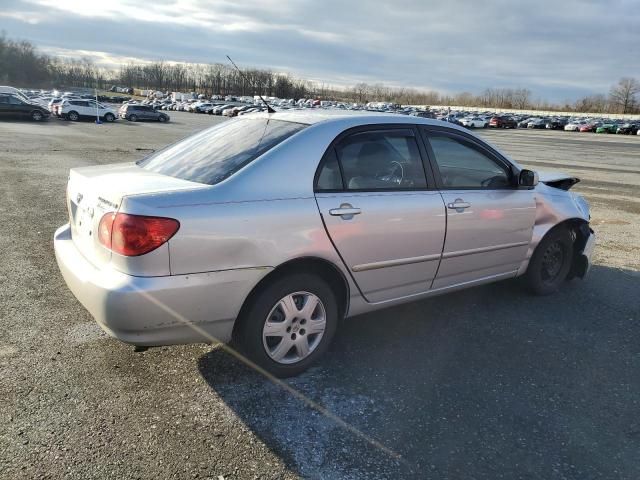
x=341, y=120
x=349, y=117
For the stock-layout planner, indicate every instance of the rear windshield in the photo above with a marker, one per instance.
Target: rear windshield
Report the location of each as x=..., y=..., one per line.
x=218, y=152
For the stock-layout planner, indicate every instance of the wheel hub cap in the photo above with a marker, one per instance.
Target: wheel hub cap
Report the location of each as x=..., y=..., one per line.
x=294, y=327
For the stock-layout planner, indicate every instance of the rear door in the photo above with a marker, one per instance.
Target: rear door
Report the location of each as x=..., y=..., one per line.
x=489, y=219
x=144, y=113
x=80, y=106
x=381, y=212
x=5, y=109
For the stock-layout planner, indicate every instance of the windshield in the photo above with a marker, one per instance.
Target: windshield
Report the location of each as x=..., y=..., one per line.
x=218, y=152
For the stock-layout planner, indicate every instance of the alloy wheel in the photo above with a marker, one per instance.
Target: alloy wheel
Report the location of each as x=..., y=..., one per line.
x=294, y=327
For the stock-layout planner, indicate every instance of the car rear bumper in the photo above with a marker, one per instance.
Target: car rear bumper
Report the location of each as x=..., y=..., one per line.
x=163, y=310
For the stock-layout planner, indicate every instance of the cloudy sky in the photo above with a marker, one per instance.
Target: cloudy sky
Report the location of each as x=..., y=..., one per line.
x=559, y=49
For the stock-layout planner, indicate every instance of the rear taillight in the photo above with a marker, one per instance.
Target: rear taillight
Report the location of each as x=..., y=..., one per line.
x=133, y=235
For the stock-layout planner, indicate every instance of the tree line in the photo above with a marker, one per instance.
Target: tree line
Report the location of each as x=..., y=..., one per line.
x=22, y=65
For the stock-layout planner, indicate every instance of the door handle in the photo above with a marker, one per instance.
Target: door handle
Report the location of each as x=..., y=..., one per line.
x=458, y=205
x=345, y=211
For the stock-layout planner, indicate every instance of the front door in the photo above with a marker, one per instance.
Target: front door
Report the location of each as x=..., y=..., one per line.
x=489, y=219
x=386, y=223
x=17, y=107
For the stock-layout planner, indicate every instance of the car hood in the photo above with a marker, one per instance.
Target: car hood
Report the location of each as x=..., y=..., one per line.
x=557, y=179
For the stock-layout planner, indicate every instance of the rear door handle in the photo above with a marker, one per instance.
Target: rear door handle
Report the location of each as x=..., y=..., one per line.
x=345, y=211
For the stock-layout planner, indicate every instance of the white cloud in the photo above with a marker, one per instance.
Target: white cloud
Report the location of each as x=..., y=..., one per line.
x=557, y=49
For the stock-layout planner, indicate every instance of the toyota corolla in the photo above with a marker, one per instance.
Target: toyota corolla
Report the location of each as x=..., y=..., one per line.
x=271, y=228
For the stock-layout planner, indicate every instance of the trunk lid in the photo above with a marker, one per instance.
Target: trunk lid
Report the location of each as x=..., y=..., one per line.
x=94, y=191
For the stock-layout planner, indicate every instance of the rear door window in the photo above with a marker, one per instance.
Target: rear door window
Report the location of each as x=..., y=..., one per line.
x=381, y=160
x=215, y=154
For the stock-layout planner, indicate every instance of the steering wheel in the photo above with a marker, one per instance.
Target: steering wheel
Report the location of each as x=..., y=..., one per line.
x=487, y=182
x=395, y=174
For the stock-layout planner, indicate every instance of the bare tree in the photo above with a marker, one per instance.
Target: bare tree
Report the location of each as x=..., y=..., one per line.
x=623, y=95
x=521, y=98
x=21, y=64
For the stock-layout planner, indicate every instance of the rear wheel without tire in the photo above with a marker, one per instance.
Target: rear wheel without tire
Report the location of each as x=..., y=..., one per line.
x=551, y=262
x=289, y=324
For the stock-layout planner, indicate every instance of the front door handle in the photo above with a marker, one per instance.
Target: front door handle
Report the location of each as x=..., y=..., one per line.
x=458, y=205
x=346, y=211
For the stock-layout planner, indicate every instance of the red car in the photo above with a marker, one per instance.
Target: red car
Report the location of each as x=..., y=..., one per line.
x=502, y=122
x=590, y=127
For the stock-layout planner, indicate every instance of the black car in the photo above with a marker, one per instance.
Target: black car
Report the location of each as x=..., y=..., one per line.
x=556, y=124
x=17, y=107
x=628, y=129
x=135, y=113
x=423, y=114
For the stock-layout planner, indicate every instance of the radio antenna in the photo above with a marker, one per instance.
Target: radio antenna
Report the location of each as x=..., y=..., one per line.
x=269, y=109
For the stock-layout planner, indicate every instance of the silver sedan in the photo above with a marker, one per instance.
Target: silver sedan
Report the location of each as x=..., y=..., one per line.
x=271, y=228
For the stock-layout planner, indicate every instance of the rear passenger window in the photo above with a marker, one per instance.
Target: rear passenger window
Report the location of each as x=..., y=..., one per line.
x=330, y=177
x=381, y=160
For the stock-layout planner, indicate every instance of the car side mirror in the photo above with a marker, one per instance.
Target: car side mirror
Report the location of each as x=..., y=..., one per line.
x=528, y=178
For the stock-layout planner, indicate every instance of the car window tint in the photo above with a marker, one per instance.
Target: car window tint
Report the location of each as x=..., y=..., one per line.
x=381, y=161
x=330, y=177
x=215, y=154
x=15, y=101
x=4, y=100
x=463, y=166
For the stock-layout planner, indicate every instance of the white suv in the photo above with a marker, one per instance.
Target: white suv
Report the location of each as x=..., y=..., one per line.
x=76, y=109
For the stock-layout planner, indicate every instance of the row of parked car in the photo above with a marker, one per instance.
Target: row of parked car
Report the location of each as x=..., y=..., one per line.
x=76, y=109
x=570, y=124
x=70, y=106
x=73, y=106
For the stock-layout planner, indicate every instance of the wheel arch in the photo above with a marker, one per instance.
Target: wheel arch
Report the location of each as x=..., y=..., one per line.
x=325, y=269
x=579, y=229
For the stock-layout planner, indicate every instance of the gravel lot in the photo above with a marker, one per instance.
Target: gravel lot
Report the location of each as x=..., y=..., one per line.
x=486, y=383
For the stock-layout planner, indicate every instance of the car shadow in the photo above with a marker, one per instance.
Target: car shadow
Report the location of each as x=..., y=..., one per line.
x=26, y=121
x=481, y=383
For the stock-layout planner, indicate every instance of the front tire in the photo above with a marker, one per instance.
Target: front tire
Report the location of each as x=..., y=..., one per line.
x=109, y=117
x=162, y=119
x=289, y=324
x=551, y=262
